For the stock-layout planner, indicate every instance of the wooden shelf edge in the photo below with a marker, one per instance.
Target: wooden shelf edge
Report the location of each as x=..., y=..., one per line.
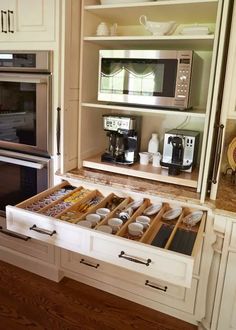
x=144, y=171
x=149, y=4
x=193, y=113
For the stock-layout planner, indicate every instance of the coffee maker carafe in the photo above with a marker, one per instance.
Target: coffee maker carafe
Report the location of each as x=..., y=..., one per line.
x=123, y=134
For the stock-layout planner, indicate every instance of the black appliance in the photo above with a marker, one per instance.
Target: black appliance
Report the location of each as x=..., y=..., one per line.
x=123, y=139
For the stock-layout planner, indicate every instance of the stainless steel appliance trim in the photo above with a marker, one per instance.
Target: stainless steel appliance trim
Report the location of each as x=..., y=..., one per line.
x=21, y=162
x=43, y=59
x=24, y=78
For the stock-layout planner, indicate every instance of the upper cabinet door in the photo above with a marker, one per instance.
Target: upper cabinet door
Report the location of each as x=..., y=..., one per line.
x=27, y=20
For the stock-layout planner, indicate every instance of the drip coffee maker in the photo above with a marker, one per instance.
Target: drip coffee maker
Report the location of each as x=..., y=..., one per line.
x=123, y=134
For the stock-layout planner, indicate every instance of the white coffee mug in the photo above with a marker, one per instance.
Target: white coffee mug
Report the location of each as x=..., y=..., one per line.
x=156, y=158
x=105, y=229
x=144, y=158
x=144, y=220
x=93, y=218
x=113, y=29
x=85, y=223
x=135, y=229
x=115, y=224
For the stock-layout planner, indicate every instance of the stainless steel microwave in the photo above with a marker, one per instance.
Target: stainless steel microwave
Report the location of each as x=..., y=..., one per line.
x=155, y=78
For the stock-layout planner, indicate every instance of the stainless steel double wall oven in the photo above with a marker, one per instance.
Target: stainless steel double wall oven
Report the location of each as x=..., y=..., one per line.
x=25, y=120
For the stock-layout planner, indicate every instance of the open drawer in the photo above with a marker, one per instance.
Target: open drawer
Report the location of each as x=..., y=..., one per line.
x=165, y=249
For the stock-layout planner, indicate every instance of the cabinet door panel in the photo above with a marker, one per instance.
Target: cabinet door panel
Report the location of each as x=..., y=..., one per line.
x=227, y=318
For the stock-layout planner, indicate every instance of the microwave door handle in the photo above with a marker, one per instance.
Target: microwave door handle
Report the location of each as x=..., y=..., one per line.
x=38, y=166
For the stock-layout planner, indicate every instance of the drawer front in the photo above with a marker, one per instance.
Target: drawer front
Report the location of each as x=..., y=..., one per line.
x=150, y=261
x=47, y=229
x=25, y=245
x=162, y=292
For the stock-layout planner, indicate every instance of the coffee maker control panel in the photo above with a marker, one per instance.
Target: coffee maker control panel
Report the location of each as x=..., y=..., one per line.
x=115, y=123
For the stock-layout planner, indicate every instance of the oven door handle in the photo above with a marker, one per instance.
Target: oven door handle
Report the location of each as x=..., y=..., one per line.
x=38, y=166
x=23, y=78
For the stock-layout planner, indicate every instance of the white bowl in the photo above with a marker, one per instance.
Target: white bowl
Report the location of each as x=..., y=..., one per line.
x=105, y=229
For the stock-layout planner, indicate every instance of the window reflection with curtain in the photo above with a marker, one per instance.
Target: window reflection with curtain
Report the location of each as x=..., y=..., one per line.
x=135, y=77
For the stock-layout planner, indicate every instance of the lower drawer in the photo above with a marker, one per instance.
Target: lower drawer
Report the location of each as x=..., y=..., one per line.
x=158, y=291
x=26, y=245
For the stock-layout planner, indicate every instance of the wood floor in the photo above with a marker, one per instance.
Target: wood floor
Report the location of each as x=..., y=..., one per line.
x=28, y=301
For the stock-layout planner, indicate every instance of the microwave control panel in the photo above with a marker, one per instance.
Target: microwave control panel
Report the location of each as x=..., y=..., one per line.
x=183, y=78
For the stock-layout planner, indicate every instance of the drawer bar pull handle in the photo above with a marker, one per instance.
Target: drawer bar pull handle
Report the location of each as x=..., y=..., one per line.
x=164, y=288
x=12, y=234
x=82, y=261
x=43, y=231
x=134, y=259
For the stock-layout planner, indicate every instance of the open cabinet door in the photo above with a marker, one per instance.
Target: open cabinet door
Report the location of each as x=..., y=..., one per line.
x=212, y=148
x=228, y=104
x=68, y=112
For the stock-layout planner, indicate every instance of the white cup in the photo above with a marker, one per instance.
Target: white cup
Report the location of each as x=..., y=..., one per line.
x=115, y=224
x=135, y=229
x=113, y=29
x=103, y=211
x=93, y=218
x=103, y=29
x=144, y=220
x=85, y=223
x=105, y=229
x=144, y=158
x=156, y=158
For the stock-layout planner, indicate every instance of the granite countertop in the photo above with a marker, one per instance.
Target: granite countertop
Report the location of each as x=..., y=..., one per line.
x=225, y=202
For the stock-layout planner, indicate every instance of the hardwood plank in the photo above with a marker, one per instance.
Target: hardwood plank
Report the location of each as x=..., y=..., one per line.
x=28, y=301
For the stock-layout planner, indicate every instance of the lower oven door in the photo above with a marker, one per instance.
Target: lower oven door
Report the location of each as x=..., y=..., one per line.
x=21, y=177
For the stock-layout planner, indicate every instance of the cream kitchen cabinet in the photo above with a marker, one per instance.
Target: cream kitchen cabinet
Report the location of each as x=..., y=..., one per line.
x=27, y=20
x=160, y=295
x=142, y=255
x=130, y=35
x=227, y=316
x=221, y=289
x=156, y=275
x=27, y=253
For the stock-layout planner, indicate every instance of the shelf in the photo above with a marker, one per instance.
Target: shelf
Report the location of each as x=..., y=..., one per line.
x=203, y=42
x=199, y=113
x=144, y=171
x=182, y=11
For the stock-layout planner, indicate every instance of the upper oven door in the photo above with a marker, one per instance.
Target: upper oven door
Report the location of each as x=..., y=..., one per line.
x=24, y=112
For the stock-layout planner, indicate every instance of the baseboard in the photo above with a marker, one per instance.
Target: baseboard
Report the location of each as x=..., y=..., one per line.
x=33, y=265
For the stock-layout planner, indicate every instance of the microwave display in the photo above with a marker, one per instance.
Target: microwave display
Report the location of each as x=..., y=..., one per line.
x=147, y=77
x=156, y=78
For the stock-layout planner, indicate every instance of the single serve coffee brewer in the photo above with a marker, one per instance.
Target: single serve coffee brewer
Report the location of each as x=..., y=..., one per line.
x=180, y=150
x=123, y=134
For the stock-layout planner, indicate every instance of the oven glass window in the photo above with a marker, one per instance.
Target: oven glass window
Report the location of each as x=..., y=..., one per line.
x=18, y=112
x=18, y=183
x=145, y=77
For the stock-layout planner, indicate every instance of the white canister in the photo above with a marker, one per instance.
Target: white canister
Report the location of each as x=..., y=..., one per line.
x=153, y=144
